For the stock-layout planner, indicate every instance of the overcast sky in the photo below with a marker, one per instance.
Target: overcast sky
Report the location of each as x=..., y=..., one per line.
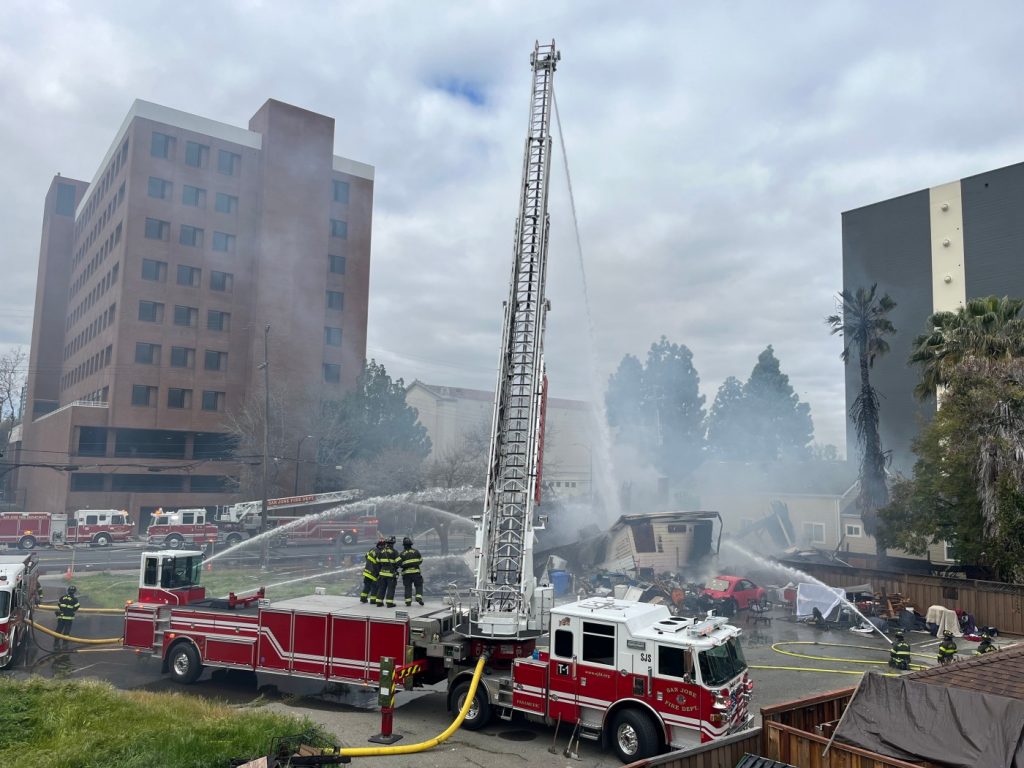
x=712, y=148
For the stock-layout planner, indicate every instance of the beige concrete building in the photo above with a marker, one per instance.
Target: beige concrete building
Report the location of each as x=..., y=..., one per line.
x=156, y=282
x=453, y=415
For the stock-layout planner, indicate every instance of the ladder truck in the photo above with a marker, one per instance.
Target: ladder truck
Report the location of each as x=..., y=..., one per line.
x=624, y=673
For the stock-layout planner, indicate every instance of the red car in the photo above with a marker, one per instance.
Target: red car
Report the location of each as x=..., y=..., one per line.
x=743, y=591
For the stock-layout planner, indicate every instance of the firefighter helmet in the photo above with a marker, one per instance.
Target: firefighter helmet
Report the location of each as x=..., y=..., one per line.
x=986, y=636
x=407, y=542
x=391, y=541
x=899, y=634
x=381, y=542
x=948, y=635
x=72, y=589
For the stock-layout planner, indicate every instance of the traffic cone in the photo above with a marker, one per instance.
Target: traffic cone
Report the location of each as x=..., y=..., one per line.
x=68, y=576
x=209, y=567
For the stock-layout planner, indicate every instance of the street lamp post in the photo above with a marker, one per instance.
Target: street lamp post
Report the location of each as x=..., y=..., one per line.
x=298, y=455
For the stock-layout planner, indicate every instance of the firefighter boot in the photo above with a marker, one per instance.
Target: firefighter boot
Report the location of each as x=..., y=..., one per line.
x=419, y=600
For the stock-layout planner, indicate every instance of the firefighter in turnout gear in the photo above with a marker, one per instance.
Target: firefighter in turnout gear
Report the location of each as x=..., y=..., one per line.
x=410, y=559
x=899, y=653
x=947, y=648
x=67, y=607
x=986, y=645
x=370, y=570
x=388, y=558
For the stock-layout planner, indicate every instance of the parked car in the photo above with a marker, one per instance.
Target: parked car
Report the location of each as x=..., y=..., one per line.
x=742, y=591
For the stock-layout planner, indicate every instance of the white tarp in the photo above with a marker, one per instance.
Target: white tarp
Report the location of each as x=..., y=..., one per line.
x=945, y=619
x=811, y=596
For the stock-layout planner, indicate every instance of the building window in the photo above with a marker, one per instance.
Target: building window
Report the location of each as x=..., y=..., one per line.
x=340, y=191
x=189, y=275
x=150, y=443
x=179, y=398
x=87, y=481
x=213, y=401
x=183, y=357
x=143, y=395
x=213, y=484
x=336, y=264
x=214, y=445
x=160, y=188
x=339, y=228
x=197, y=155
x=154, y=270
x=191, y=236
x=186, y=316
x=949, y=553
x=228, y=163
x=221, y=281
x=193, y=196
x=157, y=229
x=332, y=373
x=155, y=483
x=162, y=145
x=147, y=354
x=854, y=531
x=217, y=320
x=65, y=203
x=814, y=533
x=151, y=312
x=335, y=300
x=222, y=241
x=226, y=203
x=215, y=361
x=332, y=336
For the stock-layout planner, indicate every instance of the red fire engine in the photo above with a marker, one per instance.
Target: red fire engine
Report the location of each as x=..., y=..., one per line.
x=180, y=528
x=628, y=674
x=19, y=582
x=101, y=527
x=242, y=520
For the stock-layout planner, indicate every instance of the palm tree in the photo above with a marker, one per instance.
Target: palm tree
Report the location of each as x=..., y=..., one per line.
x=990, y=329
x=863, y=325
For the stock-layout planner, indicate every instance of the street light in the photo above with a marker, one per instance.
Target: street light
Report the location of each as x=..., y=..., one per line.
x=298, y=454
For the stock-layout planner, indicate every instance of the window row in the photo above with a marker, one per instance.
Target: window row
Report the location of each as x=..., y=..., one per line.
x=100, y=189
x=144, y=395
x=87, y=368
x=158, y=229
x=106, y=247
x=152, y=483
x=181, y=357
x=86, y=335
x=156, y=271
x=108, y=281
x=197, y=155
x=155, y=443
x=186, y=317
x=194, y=197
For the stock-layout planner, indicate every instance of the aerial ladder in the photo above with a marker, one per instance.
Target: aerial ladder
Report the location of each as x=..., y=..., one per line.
x=508, y=603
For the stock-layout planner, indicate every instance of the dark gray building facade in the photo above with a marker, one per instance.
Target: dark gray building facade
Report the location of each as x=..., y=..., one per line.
x=930, y=250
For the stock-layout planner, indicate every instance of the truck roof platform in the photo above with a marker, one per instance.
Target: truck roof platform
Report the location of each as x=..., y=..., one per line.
x=350, y=606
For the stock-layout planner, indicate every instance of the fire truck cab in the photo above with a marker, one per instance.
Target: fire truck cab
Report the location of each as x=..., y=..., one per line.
x=19, y=583
x=181, y=527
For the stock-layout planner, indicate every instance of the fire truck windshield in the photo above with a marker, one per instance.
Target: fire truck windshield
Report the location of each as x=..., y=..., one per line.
x=721, y=664
x=180, y=571
x=5, y=604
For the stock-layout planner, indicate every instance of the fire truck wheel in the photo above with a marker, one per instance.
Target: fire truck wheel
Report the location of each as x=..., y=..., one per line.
x=27, y=542
x=479, y=711
x=348, y=538
x=183, y=663
x=102, y=540
x=634, y=736
x=233, y=538
x=174, y=541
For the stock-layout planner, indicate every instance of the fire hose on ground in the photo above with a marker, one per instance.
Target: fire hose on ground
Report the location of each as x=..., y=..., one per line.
x=83, y=640
x=775, y=647
x=83, y=610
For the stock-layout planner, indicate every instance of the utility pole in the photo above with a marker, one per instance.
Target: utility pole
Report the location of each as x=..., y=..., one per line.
x=265, y=560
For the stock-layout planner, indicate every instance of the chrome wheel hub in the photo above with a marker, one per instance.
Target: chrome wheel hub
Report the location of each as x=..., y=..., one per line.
x=627, y=738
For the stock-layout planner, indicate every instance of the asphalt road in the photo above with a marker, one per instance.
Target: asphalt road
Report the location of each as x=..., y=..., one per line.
x=352, y=716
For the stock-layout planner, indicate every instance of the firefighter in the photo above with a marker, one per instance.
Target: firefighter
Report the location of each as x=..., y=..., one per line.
x=986, y=645
x=67, y=607
x=388, y=557
x=410, y=559
x=370, y=570
x=947, y=648
x=899, y=653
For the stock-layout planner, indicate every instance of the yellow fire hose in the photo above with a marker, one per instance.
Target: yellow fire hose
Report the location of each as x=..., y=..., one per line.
x=408, y=749
x=84, y=640
x=83, y=610
x=775, y=647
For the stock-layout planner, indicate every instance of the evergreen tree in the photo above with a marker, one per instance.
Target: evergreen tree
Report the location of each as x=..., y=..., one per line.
x=727, y=426
x=780, y=425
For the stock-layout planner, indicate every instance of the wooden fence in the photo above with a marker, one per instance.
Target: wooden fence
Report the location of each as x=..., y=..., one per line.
x=724, y=753
x=992, y=603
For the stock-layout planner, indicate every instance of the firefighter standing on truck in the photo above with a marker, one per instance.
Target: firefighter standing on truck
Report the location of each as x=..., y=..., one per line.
x=388, y=558
x=410, y=559
x=67, y=607
x=370, y=570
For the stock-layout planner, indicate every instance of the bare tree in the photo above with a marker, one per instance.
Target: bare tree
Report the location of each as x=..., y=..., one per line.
x=12, y=381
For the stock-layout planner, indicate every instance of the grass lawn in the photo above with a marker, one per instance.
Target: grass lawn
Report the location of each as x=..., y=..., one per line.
x=83, y=724
x=111, y=590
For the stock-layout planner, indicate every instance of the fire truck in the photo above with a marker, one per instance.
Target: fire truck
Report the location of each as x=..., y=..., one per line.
x=627, y=674
x=242, y=520
x=181, y=527
x=101, y=527
x=19, y=583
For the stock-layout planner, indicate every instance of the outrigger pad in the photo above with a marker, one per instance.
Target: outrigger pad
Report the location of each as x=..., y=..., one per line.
x=380, y=738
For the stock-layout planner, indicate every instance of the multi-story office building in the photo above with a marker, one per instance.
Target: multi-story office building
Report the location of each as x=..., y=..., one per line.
x=156, y=283
x=930, y=250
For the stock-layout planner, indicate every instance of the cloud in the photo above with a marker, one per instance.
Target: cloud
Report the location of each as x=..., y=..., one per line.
x=711, y=148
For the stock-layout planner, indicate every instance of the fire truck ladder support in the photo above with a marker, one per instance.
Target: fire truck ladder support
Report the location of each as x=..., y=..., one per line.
x=504, y=580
